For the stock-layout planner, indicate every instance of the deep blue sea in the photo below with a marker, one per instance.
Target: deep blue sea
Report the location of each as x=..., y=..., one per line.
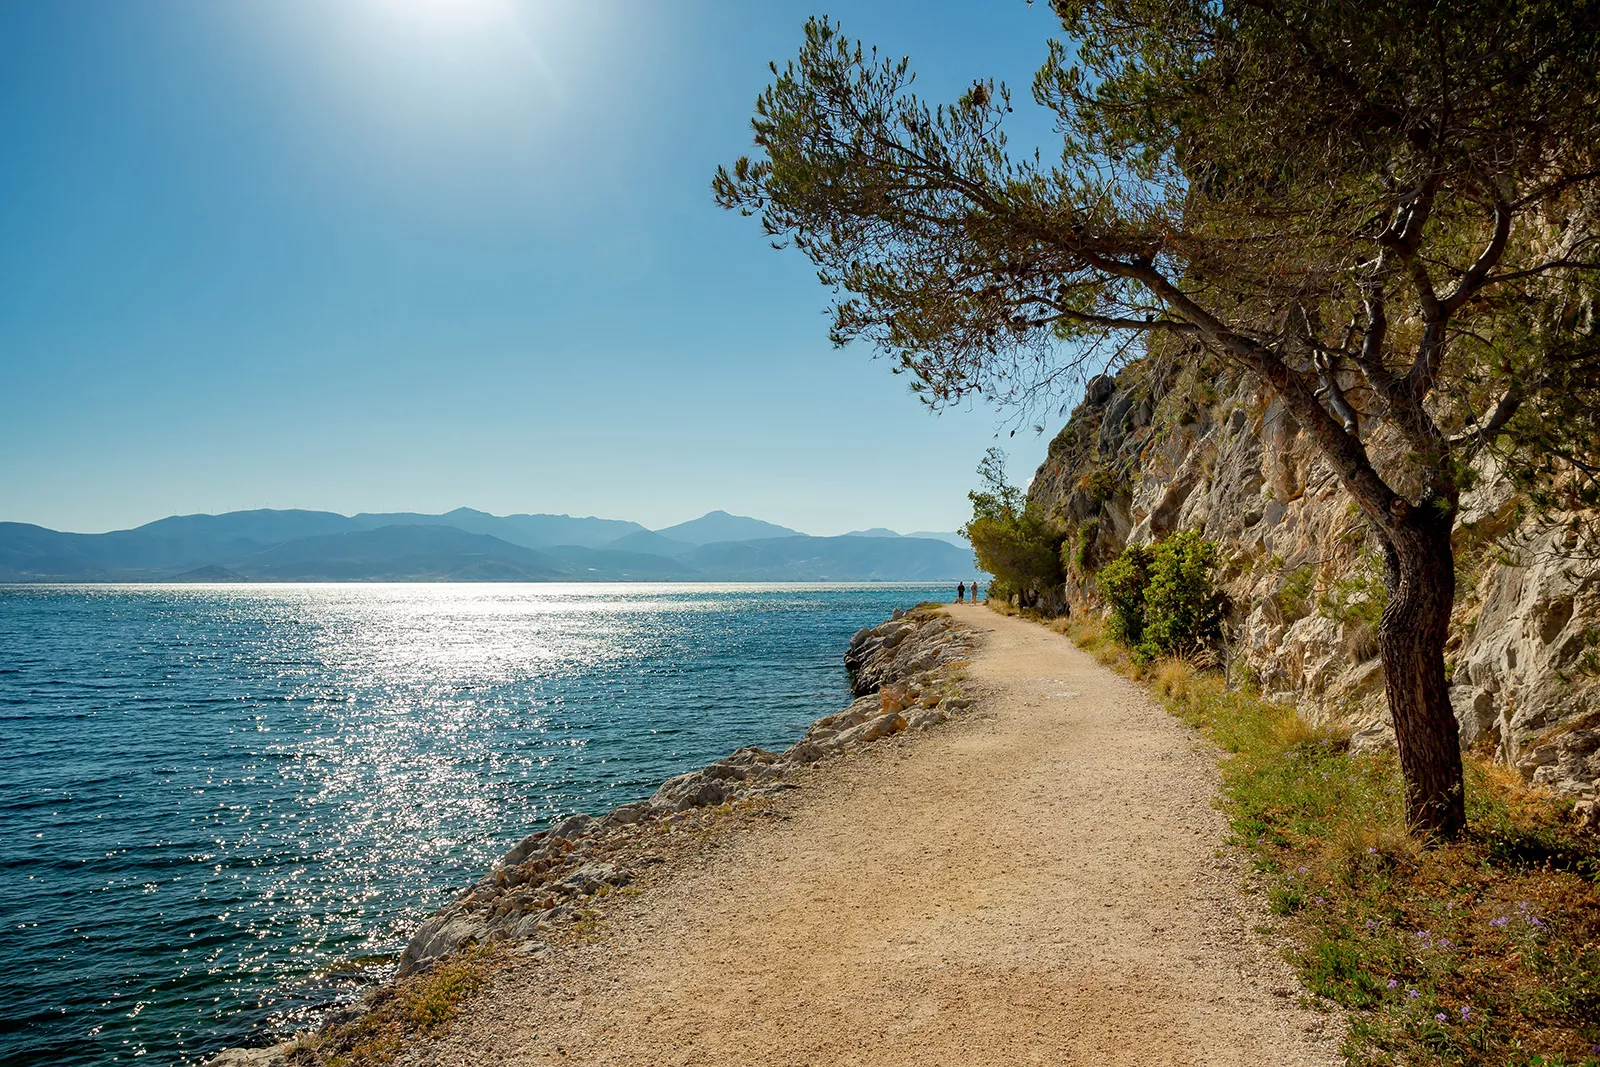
x=224, y=807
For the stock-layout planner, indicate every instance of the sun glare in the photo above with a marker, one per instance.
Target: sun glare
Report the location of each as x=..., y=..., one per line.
x=448, y=14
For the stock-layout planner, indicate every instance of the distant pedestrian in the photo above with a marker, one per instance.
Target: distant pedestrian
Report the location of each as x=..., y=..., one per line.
x=974, y=592
x=961, y=591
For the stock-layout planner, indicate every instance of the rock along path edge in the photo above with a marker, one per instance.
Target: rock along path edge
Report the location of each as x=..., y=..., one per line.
x=1038, y=884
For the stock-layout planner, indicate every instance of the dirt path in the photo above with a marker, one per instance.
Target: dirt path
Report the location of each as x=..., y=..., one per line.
x=1037, y=884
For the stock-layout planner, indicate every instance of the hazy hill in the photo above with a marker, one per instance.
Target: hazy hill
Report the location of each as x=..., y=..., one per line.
x=649, y=541
x=720, y=526
x=462, y=545
x=34, y=553
x=468, y=519
x=539, y=531
x=400, y=553
x=836, y=559
x=263, y=525
x=182, y=542
x=530, y=531
x=949, y=537
x=594, y=564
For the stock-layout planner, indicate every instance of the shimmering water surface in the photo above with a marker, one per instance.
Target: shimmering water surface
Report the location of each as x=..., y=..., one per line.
x=217, y=803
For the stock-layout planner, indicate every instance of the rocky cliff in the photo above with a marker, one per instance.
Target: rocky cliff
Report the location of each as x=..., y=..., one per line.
x=1149, y=453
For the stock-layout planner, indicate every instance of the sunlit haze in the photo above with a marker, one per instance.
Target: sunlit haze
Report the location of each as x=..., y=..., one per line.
x=419, y=254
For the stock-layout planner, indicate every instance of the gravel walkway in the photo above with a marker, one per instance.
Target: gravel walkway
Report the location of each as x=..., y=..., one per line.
x=1038, y=883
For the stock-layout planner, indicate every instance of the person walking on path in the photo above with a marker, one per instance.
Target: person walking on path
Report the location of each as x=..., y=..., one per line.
x=974, y=590
x=961, y=592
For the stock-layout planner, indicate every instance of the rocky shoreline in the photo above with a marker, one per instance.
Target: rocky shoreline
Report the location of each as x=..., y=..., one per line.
x=904, y=676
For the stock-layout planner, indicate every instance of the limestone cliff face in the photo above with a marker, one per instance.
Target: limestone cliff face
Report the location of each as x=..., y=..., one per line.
x=1305, y=582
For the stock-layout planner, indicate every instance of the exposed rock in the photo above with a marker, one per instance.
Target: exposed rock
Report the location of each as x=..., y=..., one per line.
x=1099, y=390
x=272, y=1056
x=1304, y=582
x=882, y=654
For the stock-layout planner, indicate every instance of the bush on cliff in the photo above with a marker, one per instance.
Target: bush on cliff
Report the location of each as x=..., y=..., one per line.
x=1122, y=582
x=1163, y=599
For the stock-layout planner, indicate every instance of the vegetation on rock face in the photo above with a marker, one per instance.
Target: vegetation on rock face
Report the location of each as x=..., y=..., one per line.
x=1011, y=539
x=1163, y=598
x=1486, y=951
x=1122, y=582
x=1384, y=214
x=1182, y=609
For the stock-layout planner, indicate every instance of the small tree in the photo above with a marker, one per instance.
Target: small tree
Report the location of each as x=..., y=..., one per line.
x=1384, y=212
x=1011, y=540
x=1162, y=597
x=1122, y=583
x=1182, y=610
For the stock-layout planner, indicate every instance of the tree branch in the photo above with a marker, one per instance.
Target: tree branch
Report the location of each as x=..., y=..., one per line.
x=1473, y=280
x=1485, y=428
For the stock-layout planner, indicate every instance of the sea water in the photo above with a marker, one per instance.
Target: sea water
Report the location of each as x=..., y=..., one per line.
x=223, y=808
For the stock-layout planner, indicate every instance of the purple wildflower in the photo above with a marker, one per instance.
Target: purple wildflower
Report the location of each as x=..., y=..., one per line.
x=1413, y=994
x=1394, y=983
x=1501, y=921
x=1466, y=1013
x=1440, y=1016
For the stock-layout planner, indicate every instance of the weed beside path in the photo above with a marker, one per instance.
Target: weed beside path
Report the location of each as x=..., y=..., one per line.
x=1485, y=951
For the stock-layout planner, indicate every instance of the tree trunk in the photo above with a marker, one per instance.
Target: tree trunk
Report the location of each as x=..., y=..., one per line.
x=1420, y=574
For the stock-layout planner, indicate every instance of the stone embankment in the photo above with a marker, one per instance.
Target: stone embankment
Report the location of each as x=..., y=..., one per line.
x=903, y=677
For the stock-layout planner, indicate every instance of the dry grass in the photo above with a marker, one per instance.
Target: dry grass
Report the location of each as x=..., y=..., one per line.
x=1173, y=679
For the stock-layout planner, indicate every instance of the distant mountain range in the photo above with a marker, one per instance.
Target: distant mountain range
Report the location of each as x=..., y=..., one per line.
x=469, y=545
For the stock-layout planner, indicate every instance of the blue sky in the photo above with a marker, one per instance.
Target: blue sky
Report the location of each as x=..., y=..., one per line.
x=415, y=254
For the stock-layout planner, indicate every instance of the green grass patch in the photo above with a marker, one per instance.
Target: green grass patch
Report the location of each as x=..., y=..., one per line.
x=1482, y=951
x=401, y=1011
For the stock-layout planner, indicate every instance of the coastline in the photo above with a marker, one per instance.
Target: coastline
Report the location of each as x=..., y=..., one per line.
x=554, y=884
x=1043, y=880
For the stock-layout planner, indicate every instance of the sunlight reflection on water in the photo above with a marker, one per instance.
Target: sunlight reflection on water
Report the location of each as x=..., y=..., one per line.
x=213, y=794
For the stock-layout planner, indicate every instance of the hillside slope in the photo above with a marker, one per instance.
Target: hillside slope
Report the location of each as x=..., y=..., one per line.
x=836, y=559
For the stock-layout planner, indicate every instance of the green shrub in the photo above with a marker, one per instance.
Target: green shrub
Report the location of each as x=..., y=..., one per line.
x=1077, y=550
x=1358, y=598
x=1123, y=582
x=1163, y=599
x=1294, y=599
x=1181, y=608
x=1099, y=484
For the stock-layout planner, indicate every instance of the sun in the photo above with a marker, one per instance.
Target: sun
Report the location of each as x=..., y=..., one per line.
x=447, y=15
